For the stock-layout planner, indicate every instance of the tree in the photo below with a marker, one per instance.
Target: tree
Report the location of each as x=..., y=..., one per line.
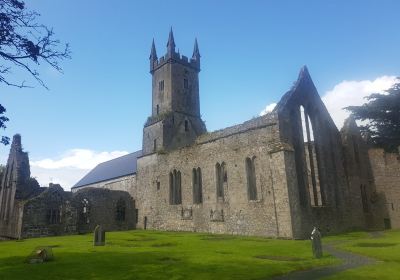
x=4, y=140
x=25, y=44
x=382, y=113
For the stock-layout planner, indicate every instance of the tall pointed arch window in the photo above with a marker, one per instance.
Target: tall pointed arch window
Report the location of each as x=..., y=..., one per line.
x=314, y=185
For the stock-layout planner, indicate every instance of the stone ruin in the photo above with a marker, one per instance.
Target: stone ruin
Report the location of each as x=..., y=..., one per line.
x=28, y=210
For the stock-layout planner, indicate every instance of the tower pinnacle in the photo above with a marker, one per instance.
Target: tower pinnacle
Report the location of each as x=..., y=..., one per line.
x=153, y=53
x=196, y=53
x=171, y=43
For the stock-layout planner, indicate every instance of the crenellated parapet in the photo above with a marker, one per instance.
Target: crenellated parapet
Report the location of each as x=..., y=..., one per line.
x=174, y=57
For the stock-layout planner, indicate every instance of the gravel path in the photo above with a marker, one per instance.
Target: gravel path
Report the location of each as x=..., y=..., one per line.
x=349, y=260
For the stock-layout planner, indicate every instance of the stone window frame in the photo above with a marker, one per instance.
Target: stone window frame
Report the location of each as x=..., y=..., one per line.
x=53, y=216
x=221, y=177
x=251, y=178
x=175, y=187
x=161, y=85
x=311, y=149
x=186, y=125
x=85, y=210
x=120, y=210
x=197, y=185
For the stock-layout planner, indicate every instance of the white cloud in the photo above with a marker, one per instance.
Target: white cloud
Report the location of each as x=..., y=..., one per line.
x=268, y=109
x=70, y=167
x=350, y=93
x=78, y=158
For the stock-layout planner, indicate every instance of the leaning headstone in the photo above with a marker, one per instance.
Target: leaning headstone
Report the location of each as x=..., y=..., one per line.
x=99, y=236
x=40, y=255
x=316, y=243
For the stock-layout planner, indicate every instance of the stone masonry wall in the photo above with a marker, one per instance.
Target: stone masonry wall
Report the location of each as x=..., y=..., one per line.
x=269, y=215
x=55, y=212
x=386, y=172
x=16, y=185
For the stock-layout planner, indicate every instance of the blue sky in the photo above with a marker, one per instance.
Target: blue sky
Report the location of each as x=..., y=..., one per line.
x=251, y=54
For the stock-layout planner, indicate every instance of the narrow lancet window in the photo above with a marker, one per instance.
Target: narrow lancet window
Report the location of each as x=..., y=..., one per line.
x=175, y=191
x=311, y=159
x=220, y=175
x=197, y=186
x=251, y=179
x=186, y=125
x=120, y=210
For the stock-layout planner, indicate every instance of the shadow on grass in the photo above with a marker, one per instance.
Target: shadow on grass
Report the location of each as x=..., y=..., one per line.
x=103, y=264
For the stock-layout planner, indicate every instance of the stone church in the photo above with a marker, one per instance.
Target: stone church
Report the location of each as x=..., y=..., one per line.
x=276, y=175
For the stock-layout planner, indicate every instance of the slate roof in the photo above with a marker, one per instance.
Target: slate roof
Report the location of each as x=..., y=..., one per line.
x=115, y=168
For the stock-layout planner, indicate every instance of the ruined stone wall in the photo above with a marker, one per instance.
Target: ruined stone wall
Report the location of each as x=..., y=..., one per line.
x=55, y=212
x=386, y=172
x=306, y=126
x=100, y=207
x=268, y=215
x=46, y=214
x=364, y=207
x=16, y=186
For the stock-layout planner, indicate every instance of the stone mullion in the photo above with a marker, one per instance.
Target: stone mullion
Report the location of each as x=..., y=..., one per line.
x=311, y=159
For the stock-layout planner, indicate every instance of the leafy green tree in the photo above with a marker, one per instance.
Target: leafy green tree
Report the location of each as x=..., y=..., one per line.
x=4, y=140
x=25, y=44
x=382, y=113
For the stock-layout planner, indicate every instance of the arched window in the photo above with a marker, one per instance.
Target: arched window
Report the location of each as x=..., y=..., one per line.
x=186, y=125
x=251, y=179
x=197, y=186
x=175, y=191
x=311, y=159
x=53, y=216
x=221, y=177
x=120, y=210
x=85, y=211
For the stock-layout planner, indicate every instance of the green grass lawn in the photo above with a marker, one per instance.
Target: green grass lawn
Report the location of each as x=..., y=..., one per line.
x=385, y=249
x=158, y=255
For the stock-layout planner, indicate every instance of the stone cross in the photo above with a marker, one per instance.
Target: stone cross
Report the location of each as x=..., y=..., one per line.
x=316, y=243
x=99, y=236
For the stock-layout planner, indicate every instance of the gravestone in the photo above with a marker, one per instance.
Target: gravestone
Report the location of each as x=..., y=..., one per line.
x=99, y=236
x=40, y=255
x=316, y=243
